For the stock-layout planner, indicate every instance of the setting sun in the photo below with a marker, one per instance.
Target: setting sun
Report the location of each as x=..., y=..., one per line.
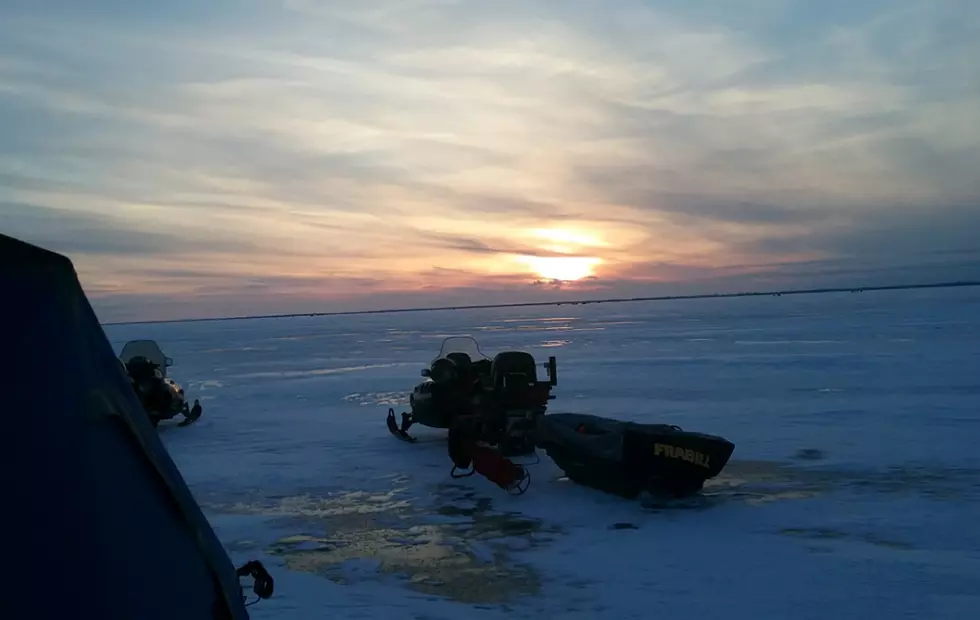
x=564, y=268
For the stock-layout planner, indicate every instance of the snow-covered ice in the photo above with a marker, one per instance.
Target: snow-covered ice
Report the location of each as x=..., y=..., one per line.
x=853, y=491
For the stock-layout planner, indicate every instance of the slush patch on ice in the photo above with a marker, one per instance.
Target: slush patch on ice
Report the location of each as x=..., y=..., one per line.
x=436, y=559
x=809, y=454
x=814, y=532
x=301, y=542
x=765, y=481
x=465, y=554
x=623, y=526
x=834, y=534
x=312, y=507
x=243, y=545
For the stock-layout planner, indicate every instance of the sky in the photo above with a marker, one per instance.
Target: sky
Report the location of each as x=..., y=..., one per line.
x=200, y=159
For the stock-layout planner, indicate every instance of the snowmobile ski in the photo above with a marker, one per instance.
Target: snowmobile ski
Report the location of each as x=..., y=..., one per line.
x=400, y=432
x=191, y=414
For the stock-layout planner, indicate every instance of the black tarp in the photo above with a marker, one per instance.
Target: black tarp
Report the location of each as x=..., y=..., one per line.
x=97, y=518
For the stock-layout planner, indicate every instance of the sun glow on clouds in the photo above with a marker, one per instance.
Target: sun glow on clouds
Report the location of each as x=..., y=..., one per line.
x=321, y=154
x=567, y=241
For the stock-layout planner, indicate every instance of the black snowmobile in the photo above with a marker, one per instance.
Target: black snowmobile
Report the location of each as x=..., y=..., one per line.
x=490, y=407
x=503, y=392
x=162, y=398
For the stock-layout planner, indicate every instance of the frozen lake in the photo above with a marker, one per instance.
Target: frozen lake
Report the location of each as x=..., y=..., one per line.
x=854, y=490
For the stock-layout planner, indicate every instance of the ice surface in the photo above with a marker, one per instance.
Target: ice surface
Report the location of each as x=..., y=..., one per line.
x=854, y=491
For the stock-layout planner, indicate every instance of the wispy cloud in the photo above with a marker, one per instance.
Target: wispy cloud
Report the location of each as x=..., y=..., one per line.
x=326, y=154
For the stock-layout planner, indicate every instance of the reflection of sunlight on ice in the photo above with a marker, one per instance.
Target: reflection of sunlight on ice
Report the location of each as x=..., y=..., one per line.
x=538, y=328
x=790, y=342
x=378, y=398
x=249, y=349
x=292, y=374
x=547, y=319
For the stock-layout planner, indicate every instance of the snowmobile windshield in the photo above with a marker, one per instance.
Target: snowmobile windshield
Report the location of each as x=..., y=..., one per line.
x=461, y=344
x=147, y=349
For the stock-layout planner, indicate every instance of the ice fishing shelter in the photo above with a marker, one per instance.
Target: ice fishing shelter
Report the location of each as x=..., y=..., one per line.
x=97, y=519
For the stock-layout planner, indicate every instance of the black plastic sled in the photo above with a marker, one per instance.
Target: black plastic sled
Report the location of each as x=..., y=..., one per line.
x=626, y=458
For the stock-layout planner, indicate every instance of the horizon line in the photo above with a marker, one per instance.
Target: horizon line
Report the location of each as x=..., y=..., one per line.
x=577, y=302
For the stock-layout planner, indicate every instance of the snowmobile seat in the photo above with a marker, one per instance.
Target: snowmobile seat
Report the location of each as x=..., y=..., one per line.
x=460, y=358
x=443, y=370
x=513, y=363
x=514, y=376
x=141, y=369
x=466, y=373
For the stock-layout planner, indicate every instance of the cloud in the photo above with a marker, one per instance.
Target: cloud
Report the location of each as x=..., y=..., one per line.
x=297, y=147
x=85, y=233
x=909, y=234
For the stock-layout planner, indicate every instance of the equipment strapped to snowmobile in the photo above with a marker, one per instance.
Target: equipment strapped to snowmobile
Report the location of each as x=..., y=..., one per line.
x=468, y=453
x=162, y=397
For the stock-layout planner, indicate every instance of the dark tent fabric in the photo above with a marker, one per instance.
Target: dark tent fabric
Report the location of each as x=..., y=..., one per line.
x=98, y=520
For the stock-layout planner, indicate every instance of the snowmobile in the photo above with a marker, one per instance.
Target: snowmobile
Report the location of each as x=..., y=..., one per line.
x=490, y=406
x=162, y=397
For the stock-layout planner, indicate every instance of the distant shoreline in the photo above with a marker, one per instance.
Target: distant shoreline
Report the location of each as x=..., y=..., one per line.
x=581, y=302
